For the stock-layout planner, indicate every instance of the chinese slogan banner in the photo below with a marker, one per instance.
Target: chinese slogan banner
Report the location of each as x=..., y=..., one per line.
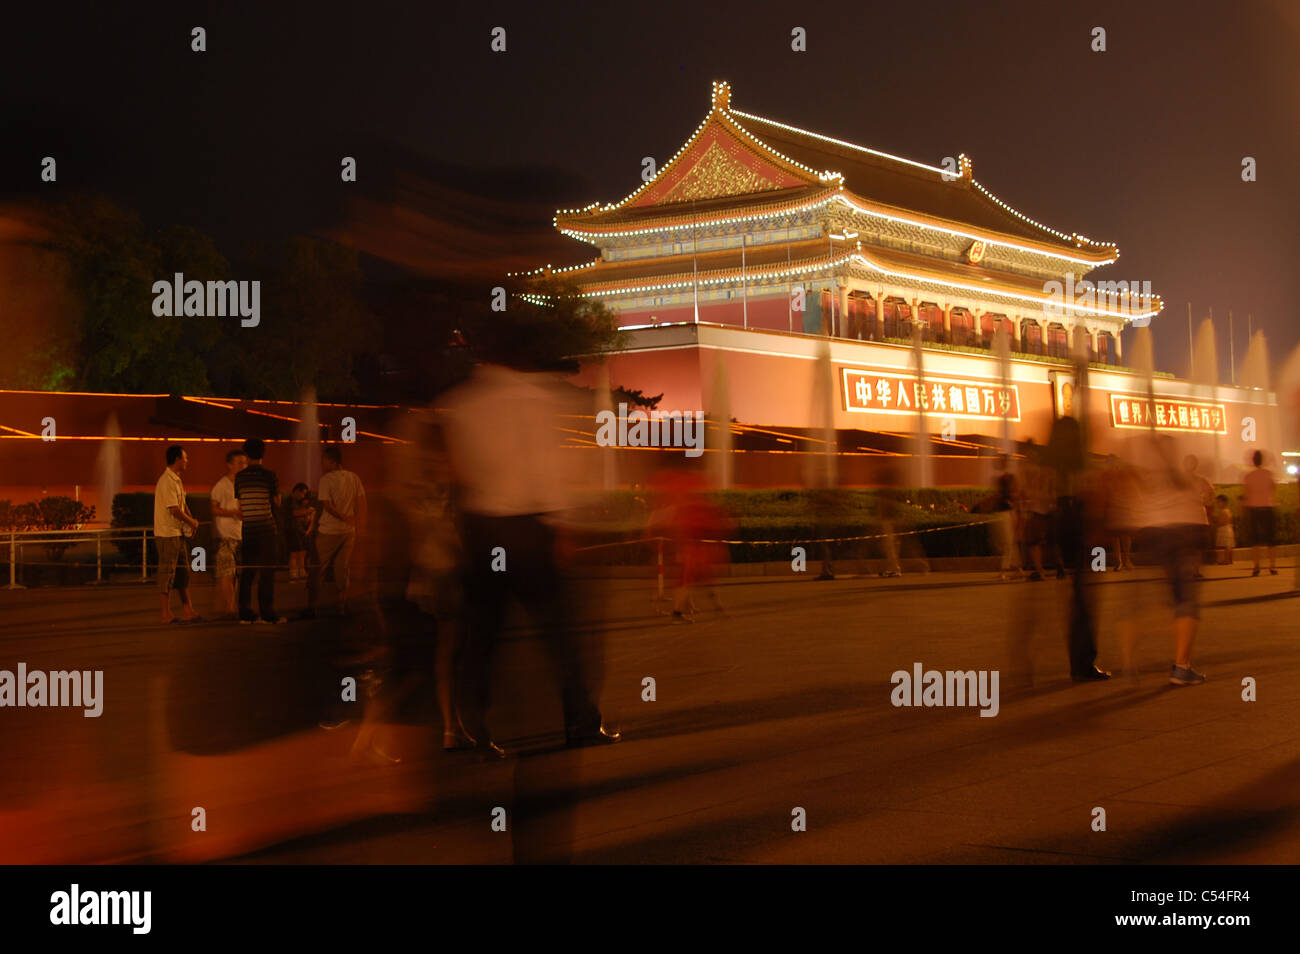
x=1166, y=415
x=938, y=396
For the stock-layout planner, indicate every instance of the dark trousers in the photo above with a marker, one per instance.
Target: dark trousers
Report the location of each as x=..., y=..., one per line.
x=1072, y=537
x=259, y=555
x=531, y=577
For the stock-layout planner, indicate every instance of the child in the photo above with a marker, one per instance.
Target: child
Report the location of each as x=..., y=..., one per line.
x=1224, y=537
x=298, y=517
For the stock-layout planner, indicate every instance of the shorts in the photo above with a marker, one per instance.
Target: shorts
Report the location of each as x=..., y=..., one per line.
x=1225, y=536
x=1263, y=526
x=336, y=549
x=1177, y=550
x=227, y=557
x=173, y=567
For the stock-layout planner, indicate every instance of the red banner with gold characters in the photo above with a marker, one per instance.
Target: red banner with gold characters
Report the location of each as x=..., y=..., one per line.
x=1166, y=415
x=939, y=396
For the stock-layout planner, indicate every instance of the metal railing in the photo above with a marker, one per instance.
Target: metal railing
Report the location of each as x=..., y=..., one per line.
x=18, y=539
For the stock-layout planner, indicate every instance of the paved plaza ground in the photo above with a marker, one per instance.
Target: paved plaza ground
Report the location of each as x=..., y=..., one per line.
x=784, y=702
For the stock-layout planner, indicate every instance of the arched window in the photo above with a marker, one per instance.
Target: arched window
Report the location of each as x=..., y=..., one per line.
x=898, y=318
x=1105, y=348
x=1058, y=341
x=861, y=324
x=870, y=329
x=990, y=322
x=930, y=316
x=962, y=323
x=1031, y=337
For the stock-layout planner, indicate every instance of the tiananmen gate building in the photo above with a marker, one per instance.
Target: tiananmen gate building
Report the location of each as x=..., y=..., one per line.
x=759, y=247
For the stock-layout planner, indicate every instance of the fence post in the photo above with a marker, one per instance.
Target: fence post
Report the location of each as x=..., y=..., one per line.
x=99, y=564
x=659, y=598
x=144, y=556
x=13, y=584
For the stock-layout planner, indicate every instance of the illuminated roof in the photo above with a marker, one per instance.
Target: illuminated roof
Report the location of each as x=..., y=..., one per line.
x=739, y=164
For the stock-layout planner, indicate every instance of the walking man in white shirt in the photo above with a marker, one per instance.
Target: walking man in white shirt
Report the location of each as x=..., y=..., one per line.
x=342, y=500
x=512, y=478
x=228, y=531
x=173, y=524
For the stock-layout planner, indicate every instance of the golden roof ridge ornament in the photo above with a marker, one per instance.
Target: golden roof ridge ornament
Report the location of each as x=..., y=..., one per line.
x=721, y=99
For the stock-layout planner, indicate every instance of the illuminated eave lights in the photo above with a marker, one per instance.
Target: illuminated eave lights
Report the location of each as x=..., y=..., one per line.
x=549, y=270
x=857, y=257
x=813, y=205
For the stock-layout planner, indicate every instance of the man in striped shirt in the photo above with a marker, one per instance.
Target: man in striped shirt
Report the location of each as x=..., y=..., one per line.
x=258, y=492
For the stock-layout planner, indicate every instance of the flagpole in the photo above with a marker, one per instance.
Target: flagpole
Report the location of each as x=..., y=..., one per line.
x=1215, y=382
x=1232, y=349
x=695, y=270
x=744, y=281
x=789, y=285
x=830, y=250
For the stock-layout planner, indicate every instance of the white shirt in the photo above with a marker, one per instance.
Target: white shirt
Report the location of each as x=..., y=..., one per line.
x=502, y=432
x=1169, y=497
x=223, y=496
x=169, y=492
x=340, y=489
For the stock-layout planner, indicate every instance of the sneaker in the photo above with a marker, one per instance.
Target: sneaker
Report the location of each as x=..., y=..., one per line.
x=1178, y=676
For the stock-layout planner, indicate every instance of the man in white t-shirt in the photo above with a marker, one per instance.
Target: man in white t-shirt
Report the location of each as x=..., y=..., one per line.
x=342, y=500
x=173, y=524
x=227, y=530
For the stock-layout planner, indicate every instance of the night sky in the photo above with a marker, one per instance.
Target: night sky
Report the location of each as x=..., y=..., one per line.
x=1141, y=144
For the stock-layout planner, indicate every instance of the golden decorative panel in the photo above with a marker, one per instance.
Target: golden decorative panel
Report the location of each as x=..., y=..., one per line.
x=717, y=174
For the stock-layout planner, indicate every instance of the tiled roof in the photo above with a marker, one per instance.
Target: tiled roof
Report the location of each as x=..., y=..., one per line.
x=830, y=167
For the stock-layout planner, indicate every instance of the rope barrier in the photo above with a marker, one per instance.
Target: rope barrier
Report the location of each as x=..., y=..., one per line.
x=660, y=540
x=872, y=536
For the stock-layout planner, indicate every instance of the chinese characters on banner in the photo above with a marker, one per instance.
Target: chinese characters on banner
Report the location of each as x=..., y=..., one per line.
x=939, y=396
x=1166, y=415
